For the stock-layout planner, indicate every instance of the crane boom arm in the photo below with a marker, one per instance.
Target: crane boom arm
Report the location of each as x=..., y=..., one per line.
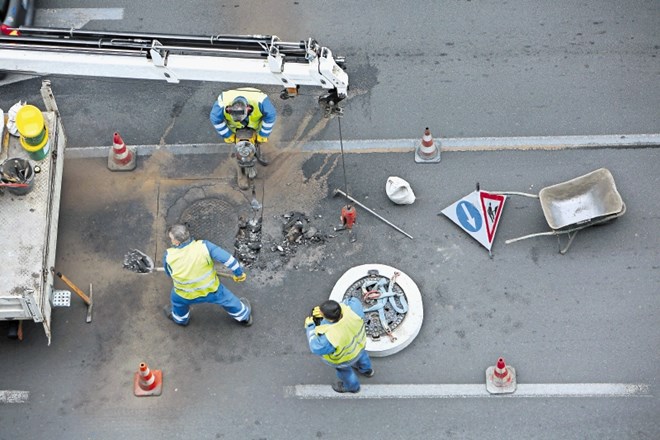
x=247, y=59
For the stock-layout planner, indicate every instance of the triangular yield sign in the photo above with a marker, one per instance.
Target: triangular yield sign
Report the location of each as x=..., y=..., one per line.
x=491, y=207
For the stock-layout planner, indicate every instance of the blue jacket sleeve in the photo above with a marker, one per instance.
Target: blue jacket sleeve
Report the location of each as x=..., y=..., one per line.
x=318, y=344
x=218, y=120
x=224, y=257
x=166, y=266
x=355, y=305
x=270, y=115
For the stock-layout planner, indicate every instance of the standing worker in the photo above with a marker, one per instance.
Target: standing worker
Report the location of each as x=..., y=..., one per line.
x=190, y=265
x=244, y=108
x=336, y=333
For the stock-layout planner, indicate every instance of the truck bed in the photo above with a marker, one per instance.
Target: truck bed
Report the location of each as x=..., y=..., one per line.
x=28, y=225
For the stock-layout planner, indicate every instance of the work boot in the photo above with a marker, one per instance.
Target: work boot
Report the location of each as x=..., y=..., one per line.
x=247, y=322
x=368, y=373
x=261, y=157
x=167, y=311
x=339, y=387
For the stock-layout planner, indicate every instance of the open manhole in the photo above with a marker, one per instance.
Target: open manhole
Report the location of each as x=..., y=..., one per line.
x=392, y=303
x=211, y=219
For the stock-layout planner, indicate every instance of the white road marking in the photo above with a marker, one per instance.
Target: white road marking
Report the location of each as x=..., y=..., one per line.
x=74, y=17
x=9, y=396
x=491, y=143
x=403, y=145
x=451, y=391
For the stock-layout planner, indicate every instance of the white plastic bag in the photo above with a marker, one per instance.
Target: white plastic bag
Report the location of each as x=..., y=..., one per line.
x=11, y=120
x=399, y=191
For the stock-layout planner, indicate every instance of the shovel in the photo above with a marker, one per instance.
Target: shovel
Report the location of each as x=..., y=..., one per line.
x=139, y=262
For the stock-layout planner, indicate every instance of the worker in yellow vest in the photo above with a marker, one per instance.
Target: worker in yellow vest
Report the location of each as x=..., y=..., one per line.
x=336, y=332
x=246, y=107
x=190, y=264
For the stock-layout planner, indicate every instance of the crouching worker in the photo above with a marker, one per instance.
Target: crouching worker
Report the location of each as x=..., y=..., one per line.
x=336, y=332
x=190, y=265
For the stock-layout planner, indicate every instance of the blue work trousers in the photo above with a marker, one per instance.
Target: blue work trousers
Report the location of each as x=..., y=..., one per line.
x=223, y=297
x=346, y=374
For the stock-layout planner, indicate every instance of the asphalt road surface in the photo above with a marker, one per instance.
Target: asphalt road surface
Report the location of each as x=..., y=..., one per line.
x=473, y=68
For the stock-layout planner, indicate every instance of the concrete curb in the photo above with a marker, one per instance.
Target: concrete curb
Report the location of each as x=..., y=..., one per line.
x=405, y=145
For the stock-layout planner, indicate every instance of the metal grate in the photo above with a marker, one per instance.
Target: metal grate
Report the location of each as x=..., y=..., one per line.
x=212, y=219
x=61, y=298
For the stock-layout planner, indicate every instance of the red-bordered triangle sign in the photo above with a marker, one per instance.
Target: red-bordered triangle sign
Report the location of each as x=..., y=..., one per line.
x=491, y=207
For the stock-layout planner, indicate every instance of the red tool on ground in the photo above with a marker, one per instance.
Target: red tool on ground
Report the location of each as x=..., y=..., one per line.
x=347, y=218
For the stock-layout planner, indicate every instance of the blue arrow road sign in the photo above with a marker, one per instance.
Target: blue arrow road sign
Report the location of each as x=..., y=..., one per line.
x=469, y=216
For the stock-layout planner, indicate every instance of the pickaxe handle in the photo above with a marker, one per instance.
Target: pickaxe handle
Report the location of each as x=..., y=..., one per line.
x=75, y=288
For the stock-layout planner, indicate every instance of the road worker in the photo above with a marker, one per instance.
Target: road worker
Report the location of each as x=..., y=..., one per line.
x=190, y=264
x=336, y=332
x=244, y=108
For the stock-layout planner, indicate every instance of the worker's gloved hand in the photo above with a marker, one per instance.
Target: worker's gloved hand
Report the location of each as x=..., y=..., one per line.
x=316, y=312
x=240, y=278
x=309, y=321
x=261, y=140
x=231, y=139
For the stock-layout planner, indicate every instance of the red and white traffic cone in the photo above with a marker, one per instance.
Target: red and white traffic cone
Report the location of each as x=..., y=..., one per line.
x=500, y=379
x=147, y=382
x=121, y=157
x=427, y=151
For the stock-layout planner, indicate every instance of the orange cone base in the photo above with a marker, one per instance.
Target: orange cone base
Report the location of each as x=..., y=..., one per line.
x=491, y=381
x=129, y=166
x=434, y=158
x=156, y=391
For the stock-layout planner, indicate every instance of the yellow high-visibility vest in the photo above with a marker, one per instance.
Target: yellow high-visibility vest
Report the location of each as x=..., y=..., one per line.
x=193, y=271
x=348, y=336
x=253, y=97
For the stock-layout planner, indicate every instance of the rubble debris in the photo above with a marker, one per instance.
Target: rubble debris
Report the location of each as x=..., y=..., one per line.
x=296, y=231
x=138, y=262
x=248, y=240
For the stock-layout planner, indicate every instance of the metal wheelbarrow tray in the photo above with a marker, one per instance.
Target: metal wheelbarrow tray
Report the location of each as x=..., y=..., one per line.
x=576, y=204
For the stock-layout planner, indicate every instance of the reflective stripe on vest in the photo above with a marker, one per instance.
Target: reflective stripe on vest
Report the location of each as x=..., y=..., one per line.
x=193, y=272
x=253, y=96
x=347, y=335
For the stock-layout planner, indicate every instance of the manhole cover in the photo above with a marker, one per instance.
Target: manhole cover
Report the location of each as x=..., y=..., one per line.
x=212, y=219
x=395, y=304
x=384, y=302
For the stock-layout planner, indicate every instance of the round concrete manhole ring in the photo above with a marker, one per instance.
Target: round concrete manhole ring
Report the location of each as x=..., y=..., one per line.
x=212, y=219
x=406, y=329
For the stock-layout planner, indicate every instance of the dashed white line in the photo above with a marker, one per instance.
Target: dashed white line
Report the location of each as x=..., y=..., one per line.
x=9, y=396
x=75, y=17
x=452, y=391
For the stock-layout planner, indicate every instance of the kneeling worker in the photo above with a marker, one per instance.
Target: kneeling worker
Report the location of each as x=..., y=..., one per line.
x=336, y=332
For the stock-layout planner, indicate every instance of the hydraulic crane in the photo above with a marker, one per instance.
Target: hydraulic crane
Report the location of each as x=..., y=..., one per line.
x=246, y=59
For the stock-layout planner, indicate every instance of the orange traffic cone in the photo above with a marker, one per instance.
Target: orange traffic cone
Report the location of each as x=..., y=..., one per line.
x=426, y=151
x=500, y=379
x=147, y=382
x=121, y=157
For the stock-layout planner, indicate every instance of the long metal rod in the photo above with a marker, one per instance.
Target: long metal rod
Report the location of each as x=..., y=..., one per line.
x=338, y=191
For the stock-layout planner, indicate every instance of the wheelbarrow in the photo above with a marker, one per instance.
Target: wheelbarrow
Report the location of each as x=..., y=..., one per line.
x=576, y=204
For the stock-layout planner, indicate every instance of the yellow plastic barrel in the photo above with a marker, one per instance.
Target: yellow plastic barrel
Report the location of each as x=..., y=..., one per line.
x=34, y=134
